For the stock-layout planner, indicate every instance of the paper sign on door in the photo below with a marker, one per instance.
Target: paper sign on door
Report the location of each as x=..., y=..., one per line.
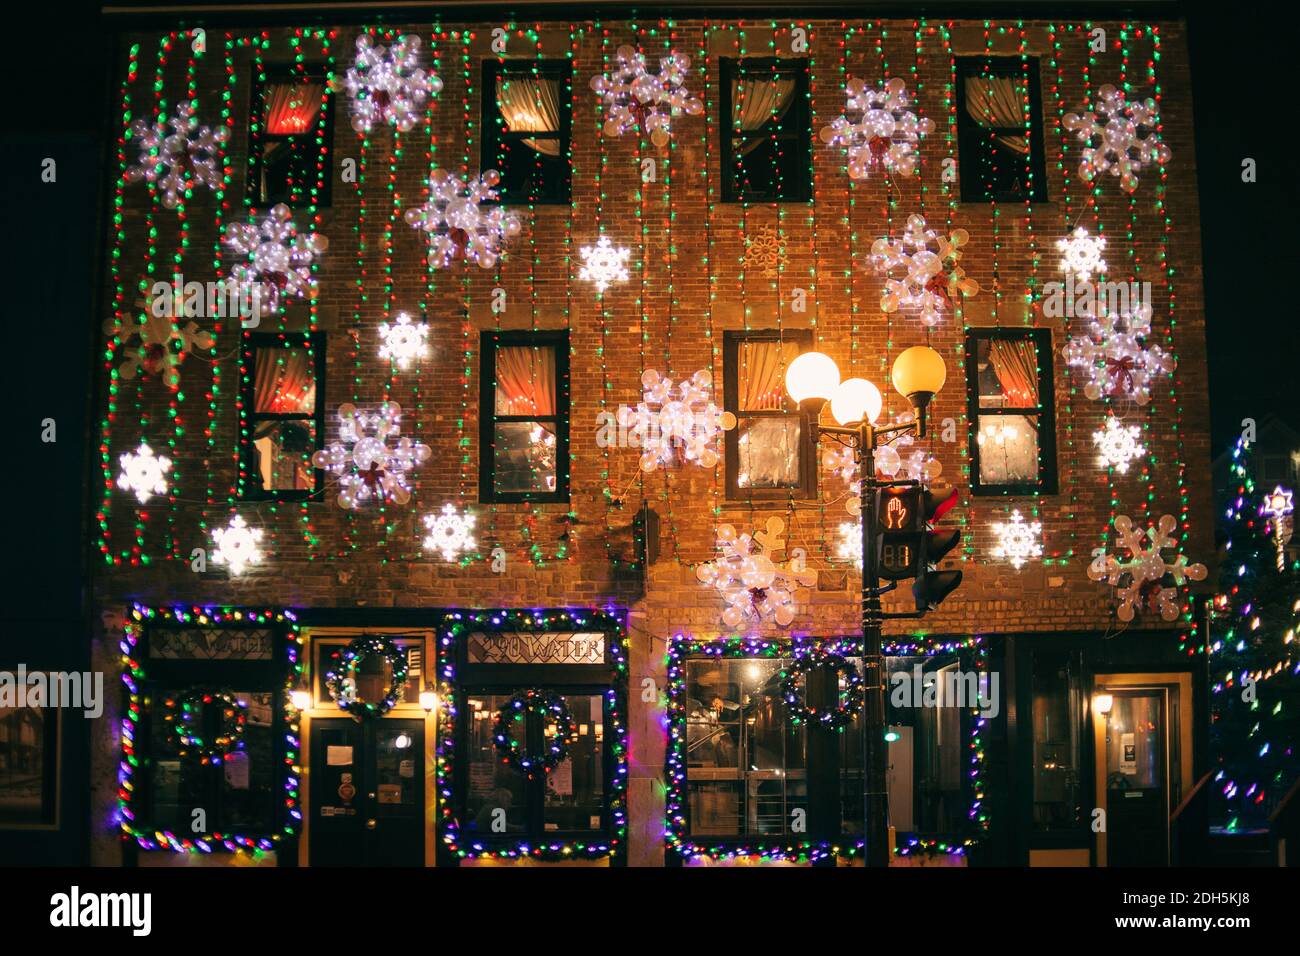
x=338, y=756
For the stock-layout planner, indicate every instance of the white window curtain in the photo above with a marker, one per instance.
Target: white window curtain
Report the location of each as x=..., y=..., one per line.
x=998, y=102
x=531, y=105
x=756, y=102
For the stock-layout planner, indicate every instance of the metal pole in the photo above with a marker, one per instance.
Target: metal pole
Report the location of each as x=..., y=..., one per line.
x=876, y=824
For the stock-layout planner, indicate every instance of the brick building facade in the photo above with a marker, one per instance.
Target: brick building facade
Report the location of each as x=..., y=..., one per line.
x=696, y=274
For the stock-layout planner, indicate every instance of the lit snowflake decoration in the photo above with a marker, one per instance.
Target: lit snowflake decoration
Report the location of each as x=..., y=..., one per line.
x=237, y=545
x=451, y=533
x=387, y=84
x=850, y=546
x=405, y=341
x=459, y=226
x=1115, y=357
x=604, y=264
x=755, y=587
x=179, y=161
x=279, y=260
x=143, y=472
x=369, y=467
x=156, y=345
x=1146, y=581
x=1081, y=254
x=676, y=423
x=1120, y=136
x=921, y=271
x=1018, y=540
x=1279, y=503
x=637, y=98
x=1118, y=445
x=879, y=129
x=916, y=464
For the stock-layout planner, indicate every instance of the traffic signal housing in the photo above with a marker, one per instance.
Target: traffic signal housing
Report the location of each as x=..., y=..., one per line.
x=932, y=586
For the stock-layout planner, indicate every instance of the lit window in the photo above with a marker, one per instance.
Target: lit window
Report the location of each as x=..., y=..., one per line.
x=526, y=126
x=766, y=146
x=1010, y=396
x=525, y=417
x=281, y=416
x=768, y=455
x=999, y=129
x=289, y=140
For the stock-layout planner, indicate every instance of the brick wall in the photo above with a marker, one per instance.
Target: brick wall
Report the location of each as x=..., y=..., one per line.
x=690, y=283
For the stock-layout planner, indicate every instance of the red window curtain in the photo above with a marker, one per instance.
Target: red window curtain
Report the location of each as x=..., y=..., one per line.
x=283, y=383
x=292, y=107
x=525, y=381
x=761, y=375
x=1015, y=363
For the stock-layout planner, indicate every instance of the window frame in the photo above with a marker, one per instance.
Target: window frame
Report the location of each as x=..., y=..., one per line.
x=1047, y=483
x=729, y=68
x=250, y=490
x=493, y=137
x=731, y=342
x=489, y=342
x=969, y=132
x=258, y=139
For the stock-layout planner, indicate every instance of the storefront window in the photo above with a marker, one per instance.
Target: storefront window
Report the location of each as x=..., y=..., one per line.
x=928, y=703
x=1056, y=719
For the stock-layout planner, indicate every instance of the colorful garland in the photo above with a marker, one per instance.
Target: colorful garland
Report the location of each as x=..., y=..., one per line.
x=848, y=702
x=517, y=708
x=350, y=658
x=183, y=714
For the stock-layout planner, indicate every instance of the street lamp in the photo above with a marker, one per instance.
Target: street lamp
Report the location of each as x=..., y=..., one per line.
x=812, y=381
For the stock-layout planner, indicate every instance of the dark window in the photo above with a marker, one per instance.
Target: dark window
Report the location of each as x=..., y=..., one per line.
x=1000, y=129
x=524, y=417
x=766, y=131
x=291, y=129
x=527, y=118
x=1058, y=717
x=749, y=768
x=1011, y=404
x=29, y=765
x=768, y=453
x=281, y=415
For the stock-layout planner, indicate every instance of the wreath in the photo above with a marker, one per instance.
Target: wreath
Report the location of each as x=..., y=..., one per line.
x=184, y=713
x=555, y=710
x=847, y=703
x=339, y=678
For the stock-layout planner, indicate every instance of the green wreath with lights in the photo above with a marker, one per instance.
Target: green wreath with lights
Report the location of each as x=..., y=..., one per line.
x=345, y=667
x=555, y=710
x=183, y=716
x=848, y=702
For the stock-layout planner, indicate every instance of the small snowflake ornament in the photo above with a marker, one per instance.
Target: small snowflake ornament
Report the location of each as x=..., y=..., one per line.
x=921, y=271
x=636, y=98
x=878, y=129
x=405, y=341
x=1114, y=355
x=604, y=264
x=387, y=84
x=1018, y=540
x=458, y=225
x=765, y=251
x=1118, y=445
x=755, y=586
x=237, y=545
x=1081, y=254
x=278, y=260
x=144, y=473
x=677, y=423
x=1120, y=136
x=177, y=162
x=451, y=533
x=1147, y=581
x=370, y=468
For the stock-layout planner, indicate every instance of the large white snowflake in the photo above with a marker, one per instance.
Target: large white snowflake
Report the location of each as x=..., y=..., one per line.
x=879, y=128
x=237, y=545
x=143, y=472
x=1118, y=445
x=755, y=587
x=1018, y=540
x=850, y=546
x=1147, y=581
x=451, y=533
x=1120, y=136
x=178, y=161
x=387, y=84
x=367, y=465
x=675, y=423
x=1081, y=254
x=921, y=270
x=459, y=226
x=636, y=97
x=404, y=341
x=279, y=260
x=604, y=264
x=915, y=464
x=1115, y=357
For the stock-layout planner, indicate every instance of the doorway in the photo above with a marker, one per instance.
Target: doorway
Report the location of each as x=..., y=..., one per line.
x=367, y=787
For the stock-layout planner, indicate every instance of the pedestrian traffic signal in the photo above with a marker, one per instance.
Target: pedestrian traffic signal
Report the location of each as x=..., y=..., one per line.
x=897, y=532
x=932, y=586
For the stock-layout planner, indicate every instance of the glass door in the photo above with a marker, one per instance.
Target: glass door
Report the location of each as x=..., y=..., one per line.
x=1137, y=777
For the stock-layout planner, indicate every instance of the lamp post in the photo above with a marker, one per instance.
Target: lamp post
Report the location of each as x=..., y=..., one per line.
x=813, y=380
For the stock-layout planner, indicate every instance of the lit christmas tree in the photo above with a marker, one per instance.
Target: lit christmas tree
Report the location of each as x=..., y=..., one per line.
x=1254, y=662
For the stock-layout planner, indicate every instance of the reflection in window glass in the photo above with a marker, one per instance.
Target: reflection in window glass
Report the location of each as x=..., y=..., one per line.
x=281, y=433
x=928, y=746
x=1009, y=406
x=1056, y=705
x=575, y=788
x=769, y=452
x=24, y=752
x=494, y=793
